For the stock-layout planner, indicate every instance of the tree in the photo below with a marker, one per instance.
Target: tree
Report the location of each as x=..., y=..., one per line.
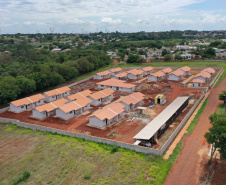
x=133, y=59
x=222, y=97
x=164, y=52
x=178, y=57
x=217, y=134
x=210, y=52
x=27, y=86
x=167, y=57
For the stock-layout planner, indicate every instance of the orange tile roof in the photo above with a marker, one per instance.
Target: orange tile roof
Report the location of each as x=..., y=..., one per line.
x=135, y=72
x=57, y=91
x=178, y=72
x=28, y=100
x=133, y=98
x=204, y=75
x=209, y=70
x=167, y=70
x=148, y=68
x=51, y=106
x=109, y=112
x=197, y=81
x=103, y=73
x=102, y=94
x=185, y=68
x=158, y=74
x=116, y=83
x=80, y=95
x=75, y=105
x=115, y=69
x=121, y=75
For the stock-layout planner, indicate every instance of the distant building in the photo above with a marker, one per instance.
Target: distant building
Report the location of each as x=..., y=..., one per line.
x=57, y=93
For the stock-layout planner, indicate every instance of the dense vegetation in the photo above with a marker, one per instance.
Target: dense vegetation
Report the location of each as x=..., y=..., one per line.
x=27, y=70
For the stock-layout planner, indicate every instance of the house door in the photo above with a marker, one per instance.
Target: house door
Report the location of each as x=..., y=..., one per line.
x=106, y=121
x=46, y=114
x=26, y=107
x=117, y=88
x=131, y=106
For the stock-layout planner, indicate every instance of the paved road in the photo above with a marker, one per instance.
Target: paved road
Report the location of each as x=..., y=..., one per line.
x=187, y=168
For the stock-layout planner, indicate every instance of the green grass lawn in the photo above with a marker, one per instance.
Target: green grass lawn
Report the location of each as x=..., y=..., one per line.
x=55, y=159
x=221, y=109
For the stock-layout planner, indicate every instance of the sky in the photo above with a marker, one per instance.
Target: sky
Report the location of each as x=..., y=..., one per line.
x=86, y=16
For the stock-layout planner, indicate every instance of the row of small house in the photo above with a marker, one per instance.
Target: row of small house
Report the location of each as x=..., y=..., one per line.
x=117, y=73
x=203, y=77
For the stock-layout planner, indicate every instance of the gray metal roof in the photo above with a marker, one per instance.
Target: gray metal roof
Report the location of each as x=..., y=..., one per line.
x=149, y=130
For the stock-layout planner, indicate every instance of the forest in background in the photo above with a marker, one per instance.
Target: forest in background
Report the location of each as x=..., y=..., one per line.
x=27, y=70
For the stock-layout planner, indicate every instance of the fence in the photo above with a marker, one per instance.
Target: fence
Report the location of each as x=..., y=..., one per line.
x=216, y=77
x=86, y=137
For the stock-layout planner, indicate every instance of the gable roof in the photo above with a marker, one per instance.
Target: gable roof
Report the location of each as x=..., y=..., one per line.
x=52, y=105
x=109, y=112
x=197, y=81
x=204, y=75
x=116, y=83
x=178, y=72
x=57, y=91
x=103, y=73
x=149, y=68
x=80, y=95
x=121, y=75
x=133, y=98
x=75, y=105
x=209, y=70
x=167, y=70
x=185, y=68
x=102, y=94
x=28, y=100
x=158, y=74
x=115, y=69
x=135, y=72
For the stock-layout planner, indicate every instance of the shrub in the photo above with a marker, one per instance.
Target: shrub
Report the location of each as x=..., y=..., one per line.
x=21, y=178
x=87, y=176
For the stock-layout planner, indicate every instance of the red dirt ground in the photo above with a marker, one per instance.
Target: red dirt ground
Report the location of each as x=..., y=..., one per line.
x=123, y=130
x=186, y=170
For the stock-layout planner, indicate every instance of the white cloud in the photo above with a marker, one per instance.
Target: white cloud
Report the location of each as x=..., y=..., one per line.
x=109, y=20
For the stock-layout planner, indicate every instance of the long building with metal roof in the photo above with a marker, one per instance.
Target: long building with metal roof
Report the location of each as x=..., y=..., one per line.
x=163, y=120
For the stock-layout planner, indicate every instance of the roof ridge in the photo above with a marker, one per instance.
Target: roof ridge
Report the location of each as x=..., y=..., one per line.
x=112, y=111
x=29, y=99
x=53, y=104
x=134, y=97
x=58, y=90
x=77, y=104
x=81, y=94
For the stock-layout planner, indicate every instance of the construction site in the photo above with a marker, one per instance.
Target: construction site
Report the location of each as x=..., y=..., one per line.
x=134, y=122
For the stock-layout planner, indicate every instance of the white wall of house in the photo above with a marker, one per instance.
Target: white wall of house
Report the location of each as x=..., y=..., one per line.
x=202, y=78
x=25, y=107
x=129, y=90
x=174, y=77
x=195, y=84
x=56, y=97
x=97, y=77
x=38, y=114
x=152, y=78
x=71, y=114
x=94, y=121
x=131, y=76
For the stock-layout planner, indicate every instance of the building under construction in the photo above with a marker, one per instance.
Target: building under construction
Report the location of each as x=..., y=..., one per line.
x=150, y=133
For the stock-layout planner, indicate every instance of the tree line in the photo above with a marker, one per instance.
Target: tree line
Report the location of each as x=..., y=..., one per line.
x=27, y=70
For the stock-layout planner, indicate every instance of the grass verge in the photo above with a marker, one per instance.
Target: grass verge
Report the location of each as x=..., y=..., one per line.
x=196, y=119
x=56, y=159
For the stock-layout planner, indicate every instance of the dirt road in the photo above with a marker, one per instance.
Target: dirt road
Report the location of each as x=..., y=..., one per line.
x=187, y=168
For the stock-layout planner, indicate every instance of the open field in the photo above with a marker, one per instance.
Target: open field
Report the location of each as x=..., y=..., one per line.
x=55, y=159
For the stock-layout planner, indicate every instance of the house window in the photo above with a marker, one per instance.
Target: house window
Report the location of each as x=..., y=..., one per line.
x=52, y=96
x=71, y=112
x=102, y=85
x=22, y=107
x=65, y=93
x=39, y=101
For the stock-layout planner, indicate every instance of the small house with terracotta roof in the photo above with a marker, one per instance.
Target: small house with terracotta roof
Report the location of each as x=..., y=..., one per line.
x=197, y=82
x=167, y=71
x=120, y=76
x=107, y=115
x=57, y=94
x=135, y=74
x=26, y=103
x=132, y=101
x=48, y=109
x=73, y=108
x=117, y=85
x=176, y=75
x=101, y=96
x=147, y=70
x=102, y=75
x=115, y=71
x=205, y=76
x=186, y=70
x=156, y=76
x=79, y=95
x=209, y=70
